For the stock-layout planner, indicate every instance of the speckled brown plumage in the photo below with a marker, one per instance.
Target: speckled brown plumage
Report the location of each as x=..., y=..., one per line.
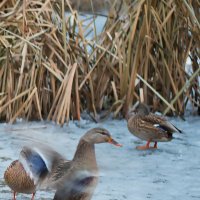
x=150, y=127
x=80, y=176
x=73, y=180
x=33, y=169
x=18, y=180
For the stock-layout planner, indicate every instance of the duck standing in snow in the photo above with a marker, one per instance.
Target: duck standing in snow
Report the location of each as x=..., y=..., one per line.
x=18, y=180
x=80, y=176
x=41, y=167
x=149, y=127
x=32, y=169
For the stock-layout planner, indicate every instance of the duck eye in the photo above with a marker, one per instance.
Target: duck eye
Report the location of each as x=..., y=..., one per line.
x=104, y=133
x=101, y=132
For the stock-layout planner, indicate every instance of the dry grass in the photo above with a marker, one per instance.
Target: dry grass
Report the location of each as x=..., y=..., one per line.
x=47, y=72
x=151, y=42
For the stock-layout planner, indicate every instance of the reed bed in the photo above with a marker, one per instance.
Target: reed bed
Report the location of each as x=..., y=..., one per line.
x=149, y=43
x=51, y=70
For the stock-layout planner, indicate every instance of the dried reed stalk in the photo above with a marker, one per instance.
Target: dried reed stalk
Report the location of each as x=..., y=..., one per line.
x=152, y=41
x=48, y=72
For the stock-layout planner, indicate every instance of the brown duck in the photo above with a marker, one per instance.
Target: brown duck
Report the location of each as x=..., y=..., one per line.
x=40, y=167
x=149, y=127
x=77, y=179
x=33, y=168
x=18, y=180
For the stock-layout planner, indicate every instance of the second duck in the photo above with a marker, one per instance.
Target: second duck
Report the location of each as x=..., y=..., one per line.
x=149, y=127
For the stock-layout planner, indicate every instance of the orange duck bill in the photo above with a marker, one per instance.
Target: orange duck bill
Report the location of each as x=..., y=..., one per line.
x=114, y=142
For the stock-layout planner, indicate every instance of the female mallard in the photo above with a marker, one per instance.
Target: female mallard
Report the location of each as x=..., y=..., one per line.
x=18, y=180
x=150, y=127
x=32, y=169
x=42, y=167
x=77, y=179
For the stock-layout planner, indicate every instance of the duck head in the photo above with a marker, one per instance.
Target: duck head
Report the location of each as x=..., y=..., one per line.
x=99, y=135
x=141, y=109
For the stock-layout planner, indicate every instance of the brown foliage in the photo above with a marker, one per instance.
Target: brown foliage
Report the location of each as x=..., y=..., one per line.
x=47, y=71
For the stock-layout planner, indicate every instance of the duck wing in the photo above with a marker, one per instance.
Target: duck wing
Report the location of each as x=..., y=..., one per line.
x=39, y=162
x=33, y=164
x=75, y=184
x=60, y=174
x=82, y=189
x=161, y=123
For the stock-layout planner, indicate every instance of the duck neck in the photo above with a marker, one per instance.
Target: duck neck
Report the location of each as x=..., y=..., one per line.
x=85, y=154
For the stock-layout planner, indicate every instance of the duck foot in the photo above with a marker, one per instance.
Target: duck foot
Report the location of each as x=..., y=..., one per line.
x=14, y=195
x=33, y=196
x=147, y=146
x=143, y=147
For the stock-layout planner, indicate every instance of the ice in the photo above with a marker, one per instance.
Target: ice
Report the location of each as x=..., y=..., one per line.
x=171, y=172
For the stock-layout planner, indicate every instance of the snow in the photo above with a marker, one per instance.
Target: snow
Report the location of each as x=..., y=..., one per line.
x=170, y=172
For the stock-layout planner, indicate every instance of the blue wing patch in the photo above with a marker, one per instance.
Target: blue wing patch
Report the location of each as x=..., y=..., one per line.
x=36, y=164
x=163, y=128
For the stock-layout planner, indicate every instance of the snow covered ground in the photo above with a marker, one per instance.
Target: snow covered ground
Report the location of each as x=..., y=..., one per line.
x=171, y=172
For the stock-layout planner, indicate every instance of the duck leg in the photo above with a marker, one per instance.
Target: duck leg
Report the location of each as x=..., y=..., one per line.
x=14, y=195
x=147, y=146
x=33, y=196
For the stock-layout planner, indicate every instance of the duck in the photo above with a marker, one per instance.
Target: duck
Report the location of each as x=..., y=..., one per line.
x=149, y=126
x=33, y=167
x=18, y=180
x=78, y=178
x=41, y=167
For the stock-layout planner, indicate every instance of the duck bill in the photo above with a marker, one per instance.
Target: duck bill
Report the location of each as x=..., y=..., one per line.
x=114, y=142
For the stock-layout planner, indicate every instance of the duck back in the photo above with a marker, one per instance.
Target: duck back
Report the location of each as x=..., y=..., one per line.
x=18, y=180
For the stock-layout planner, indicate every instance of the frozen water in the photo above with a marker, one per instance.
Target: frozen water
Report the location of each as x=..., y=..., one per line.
x=92, y=26
x=171, y=172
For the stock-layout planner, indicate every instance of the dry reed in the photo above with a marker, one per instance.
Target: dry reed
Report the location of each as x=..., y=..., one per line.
x=151, y=41
x=47, y=71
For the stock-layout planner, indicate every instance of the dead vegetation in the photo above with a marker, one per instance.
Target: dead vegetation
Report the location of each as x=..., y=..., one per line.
x=50, y=69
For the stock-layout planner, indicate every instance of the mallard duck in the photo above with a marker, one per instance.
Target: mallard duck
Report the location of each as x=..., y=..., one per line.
x=34, y=166
x=18, y=180
x=40, y=167
x=149, y=127
x=77, y=179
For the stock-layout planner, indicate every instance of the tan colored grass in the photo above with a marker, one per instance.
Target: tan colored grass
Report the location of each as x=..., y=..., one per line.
x=47, y=72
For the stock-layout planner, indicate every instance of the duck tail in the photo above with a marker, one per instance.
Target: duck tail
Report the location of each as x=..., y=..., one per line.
x=175, y=129
x=169, y=127
x=178, y=130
